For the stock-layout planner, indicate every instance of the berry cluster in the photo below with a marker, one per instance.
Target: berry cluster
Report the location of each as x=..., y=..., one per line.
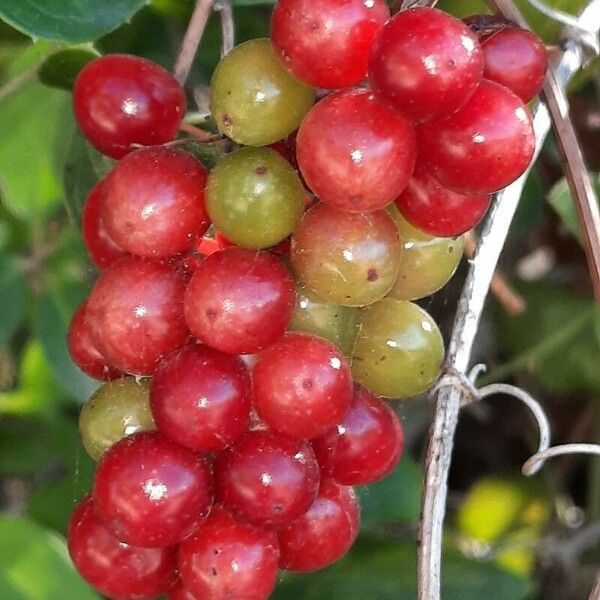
x=247, y=321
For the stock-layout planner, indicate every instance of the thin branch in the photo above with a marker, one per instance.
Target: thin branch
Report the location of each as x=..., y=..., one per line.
x=535, y=462
x=199, y=134
x=223, y=7
x=191, y=40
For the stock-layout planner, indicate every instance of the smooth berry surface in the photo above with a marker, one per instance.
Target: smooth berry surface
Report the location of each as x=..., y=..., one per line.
x=484, y=146
x=326, y=44
x=239, y=301
x=346, y=147
x=347, y=258
x=152, y=492
x=201, y=397
x=425, y=63
x=117, y=570
x=436, y=210
x=517, y=59
x=301, y=385
x=324, y=533
x=83, y=350
x=103, y=250
x=229, y=559
x=365, y=446
x=267, y=478
x=180, y=592
x=154, y=202
x=135, y=314
x=120, y=100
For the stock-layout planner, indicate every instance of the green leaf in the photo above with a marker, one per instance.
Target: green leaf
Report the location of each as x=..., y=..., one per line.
x=68, y=20
x=386, y=571
x=396, y=499
x=60, y=69
x=562, y=202
x=35, y=565
x=13, y=297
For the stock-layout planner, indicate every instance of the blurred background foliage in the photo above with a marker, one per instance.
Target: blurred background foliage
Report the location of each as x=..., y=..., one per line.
x=507, y=537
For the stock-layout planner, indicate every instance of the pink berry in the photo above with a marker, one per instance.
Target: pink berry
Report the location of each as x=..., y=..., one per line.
x=120, y=100
x=152, y=492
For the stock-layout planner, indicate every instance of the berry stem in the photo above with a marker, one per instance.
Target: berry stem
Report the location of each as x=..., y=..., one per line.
x=199, y=134
x=223, y=7
x=470, y=307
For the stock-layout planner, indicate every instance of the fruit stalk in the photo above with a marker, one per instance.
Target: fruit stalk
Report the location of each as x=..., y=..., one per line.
x=470, y=306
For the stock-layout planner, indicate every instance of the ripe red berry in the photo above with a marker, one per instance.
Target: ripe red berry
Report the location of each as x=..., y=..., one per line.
x=152, y=492
x=425, y=64
x=301, y=385
x=517, y=59
x=200, y=398
x=135, y=314
x=484, y=146
x=346, y=147
x=327, y=43
x=239, y=301
x=154, y=202
x=83, y=351
x=227, y=559
x=116, y=569
x=103, y=250
x=366, y=445
x=436, y=210
x=179, y=592
x=120, y=100
x=267, y=478
x=324, y=533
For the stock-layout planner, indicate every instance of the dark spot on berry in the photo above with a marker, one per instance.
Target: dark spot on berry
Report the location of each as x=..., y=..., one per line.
x=216, y=551
x=307, y=384
x=227, y=120
x=278, y=507
x=372, y=275
x=214, y=572
x=314, y=25
x=451, y=250
x=211, y=314
x=382, y=358
x=260, y=170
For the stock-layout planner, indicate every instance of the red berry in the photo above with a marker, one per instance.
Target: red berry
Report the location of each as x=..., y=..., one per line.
x=154, y=202
x=179, y=592
x=326, y=44
x=103, y=250
x=83, y=350
x=200, y=398
x=120, y=100
x=116, y=569
x=135, y=314
x=346, y=147
x=484, y=146
x=438, y=211
x=152, y=492
x=227, y=559
x=239, y=301
x=302, y=385
x=324, y=533
x=366, y=445
x=517, y=59
x=267, y=479
x=425, y=63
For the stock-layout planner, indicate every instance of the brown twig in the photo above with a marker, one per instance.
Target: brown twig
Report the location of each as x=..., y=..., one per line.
x=199, y=134
x=509, y=298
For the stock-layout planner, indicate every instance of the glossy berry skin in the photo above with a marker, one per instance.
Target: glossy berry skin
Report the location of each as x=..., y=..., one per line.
x=239, y=301
x=253, y=99
x=484, y=146
x=117, y=409
x=103, y=250
x=398, y=351
x=229, y=559
x=83, y=350
x=201, y=398
x=179, y=592
x=516, y=59
x=436, y=210
x=152, y=492
x=324, y=533
x=267, y=479
x=120, y=100
x=425, y=64
x=117, y=570
x=347, y=258
x=366, y=445
x=154, y=202
x=346, y=146
x=301, y=385
x=135, y=314
x=326, y=44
